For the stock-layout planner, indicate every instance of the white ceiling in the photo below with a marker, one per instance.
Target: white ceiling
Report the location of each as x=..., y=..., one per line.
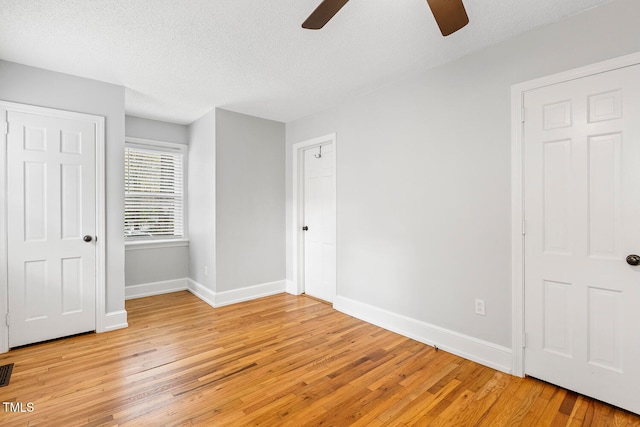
x=178, y=59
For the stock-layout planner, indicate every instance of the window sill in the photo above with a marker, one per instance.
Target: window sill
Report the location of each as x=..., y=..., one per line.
x=154, y=244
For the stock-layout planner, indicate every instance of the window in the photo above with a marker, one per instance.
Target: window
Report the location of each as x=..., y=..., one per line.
x=154, y=190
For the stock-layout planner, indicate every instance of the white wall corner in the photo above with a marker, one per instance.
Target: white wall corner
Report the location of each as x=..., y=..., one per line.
x=292, y=288
x=249, y=293
x=114, y=320
x=479, y=351
x=202, y=292
x=4, y=339
x=155, y=288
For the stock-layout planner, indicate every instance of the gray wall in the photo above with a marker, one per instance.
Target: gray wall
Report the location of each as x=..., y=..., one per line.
x=202, y=198
x=139, y=127
x=423, y=173
x=159, y=264
x=150, y=265
x=250, y=200
x=236, y=201
x=35, y=86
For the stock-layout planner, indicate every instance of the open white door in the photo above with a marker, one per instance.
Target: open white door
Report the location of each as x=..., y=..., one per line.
x=51, y=226
x=319, y=222
x=582, y=210
x=314, y=208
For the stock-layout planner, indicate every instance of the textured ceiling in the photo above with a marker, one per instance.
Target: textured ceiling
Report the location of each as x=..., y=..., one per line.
x=178, y=59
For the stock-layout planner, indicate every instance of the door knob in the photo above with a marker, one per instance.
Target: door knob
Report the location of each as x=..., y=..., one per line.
x=87, y=238
x=305, y=228
x=633, y=260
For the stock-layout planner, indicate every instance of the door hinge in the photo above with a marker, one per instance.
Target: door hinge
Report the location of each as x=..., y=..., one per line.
x=524, y=340
x=523, y=114
x=5, y=128
x=7, y=319
x=524, y=227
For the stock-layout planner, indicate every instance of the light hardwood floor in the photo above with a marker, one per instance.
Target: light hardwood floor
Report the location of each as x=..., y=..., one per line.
x=277, y=361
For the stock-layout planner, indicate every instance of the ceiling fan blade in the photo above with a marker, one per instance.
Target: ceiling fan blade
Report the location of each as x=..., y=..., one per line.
x=450, y=15
x=323, y=14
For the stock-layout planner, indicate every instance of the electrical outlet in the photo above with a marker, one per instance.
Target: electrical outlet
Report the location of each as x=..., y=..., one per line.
x=480, y=307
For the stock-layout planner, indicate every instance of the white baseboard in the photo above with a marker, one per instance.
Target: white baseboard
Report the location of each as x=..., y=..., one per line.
x=155, y=288
x=115, y=320
x=202, y=292
x=483, y=352
x=250, y=292
x=219, y=299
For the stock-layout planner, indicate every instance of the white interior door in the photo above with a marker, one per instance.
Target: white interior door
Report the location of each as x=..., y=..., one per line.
x=319, y=222
x=582, y=212
x=51, y=181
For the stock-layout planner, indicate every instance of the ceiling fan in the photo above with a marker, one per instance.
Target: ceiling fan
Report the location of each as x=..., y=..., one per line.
x=450, y=14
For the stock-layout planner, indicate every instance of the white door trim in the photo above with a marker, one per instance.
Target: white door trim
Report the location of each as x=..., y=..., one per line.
x=99, y=126
x=518, y=115
x=297, y=243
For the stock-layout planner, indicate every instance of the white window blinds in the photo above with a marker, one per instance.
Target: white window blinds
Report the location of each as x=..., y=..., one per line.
x=153, y=193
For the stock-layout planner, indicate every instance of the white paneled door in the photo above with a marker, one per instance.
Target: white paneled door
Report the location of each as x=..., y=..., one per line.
x=582, y=212
x=51, y=212
x=319, y=222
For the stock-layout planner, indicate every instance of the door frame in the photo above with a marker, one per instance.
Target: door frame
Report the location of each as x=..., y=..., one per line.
x=518, y=224
x=297, y=236
x=98, y=123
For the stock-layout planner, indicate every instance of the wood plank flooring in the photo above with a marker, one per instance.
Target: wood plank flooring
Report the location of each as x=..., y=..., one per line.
x=277, y=361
